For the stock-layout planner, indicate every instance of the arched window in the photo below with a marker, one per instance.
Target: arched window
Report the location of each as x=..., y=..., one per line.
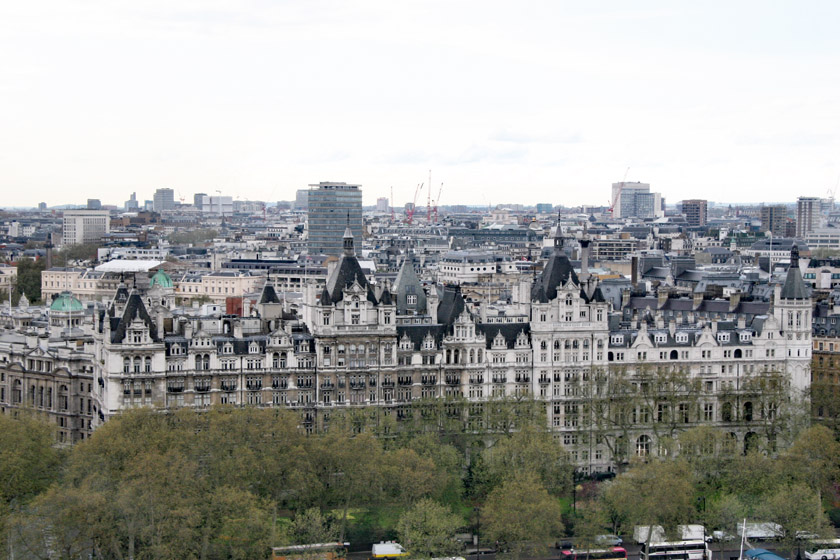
x=643, y=446
x=148, y=368
x=568, y=299
x=557, y=345
x=17, y=391
x=472, y=356
x=610, y=356
x=726, y=412
x=275, y=358
x=480, y=360
x=543, y=345
x=206, y=361
x=126, y=365
x=750, y=442
x=737, y=353
x=748, y=411
x=674, y=355
x=136, y=362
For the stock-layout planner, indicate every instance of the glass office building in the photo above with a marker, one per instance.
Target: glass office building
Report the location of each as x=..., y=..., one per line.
x=332, y=207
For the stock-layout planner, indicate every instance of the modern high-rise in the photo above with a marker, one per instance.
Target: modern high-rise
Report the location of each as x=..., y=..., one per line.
x=807, y=214
x=302, y=199
x=774, y=219
x=164, y=200
x=382, y=204
x=131, y=205
x=85, y=226
x=695, y=211
x=634, y=200
x=333, y=207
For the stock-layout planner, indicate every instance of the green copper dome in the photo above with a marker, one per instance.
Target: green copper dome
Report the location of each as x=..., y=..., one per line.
x=161, y=279
x=67, y=303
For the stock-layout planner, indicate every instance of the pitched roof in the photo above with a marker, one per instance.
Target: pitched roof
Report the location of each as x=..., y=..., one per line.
x=794, y=287
x=407, y=284
x=557, y=272
x=269, y=295
x=134, y=309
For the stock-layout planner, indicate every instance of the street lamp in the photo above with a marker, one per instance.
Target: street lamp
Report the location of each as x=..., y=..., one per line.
x=477, y=511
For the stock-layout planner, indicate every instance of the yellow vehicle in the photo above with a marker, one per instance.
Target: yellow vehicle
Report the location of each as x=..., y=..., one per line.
x=320, y=551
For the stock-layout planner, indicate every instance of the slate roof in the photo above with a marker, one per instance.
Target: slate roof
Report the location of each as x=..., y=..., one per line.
x=417, y=333
x=794, y=287
x=134, y=308
x=269, y=295
x=557, y=272
x=451, y=305
x=407, y=284
x=509, y=331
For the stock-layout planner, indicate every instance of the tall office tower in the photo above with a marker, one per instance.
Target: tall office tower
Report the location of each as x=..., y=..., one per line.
x=199, y=200
x=774, y=219
x=85, y=226
x=695, y=211
x=331, y=207
x=545, y=208
x=807, y=214
x=382, y=205
x=634, y=200
x=94, y=204
x=302, y=199
x=131, y=205
x=164, y=200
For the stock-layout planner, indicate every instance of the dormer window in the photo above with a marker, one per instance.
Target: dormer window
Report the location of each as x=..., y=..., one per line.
x=617, y=339
x=254, y=348
x=682, y=338
x=411, y=300
x=660, y=338
x=227, y=348
x=745, y=336
x=723, y=337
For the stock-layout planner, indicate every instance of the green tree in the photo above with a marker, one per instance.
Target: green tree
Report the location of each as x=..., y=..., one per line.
x=28, y=464
x=656, y=493
x=311, y=527
x=530, y=449
x=521, y=515
x=797, y=508
x=29, y=279
x=813, y=459
x=428, y=529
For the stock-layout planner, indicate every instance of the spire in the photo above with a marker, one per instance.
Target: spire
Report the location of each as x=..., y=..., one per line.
x=558, y=235
x=349, y=251
x=794, y=287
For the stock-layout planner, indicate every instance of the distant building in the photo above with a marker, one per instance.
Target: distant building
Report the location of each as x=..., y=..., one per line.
x=302, y=199
x=94, y=204
x=545, y=208
x=164, y=200
x=696, y=211
x=214, y=205
x=198, y=199
x=807, y=214
x=634, y=200
x=42, y=207
x=131, y=205
x=85, y=226
x=382, y=204
x=774, y=219
x=333, y=207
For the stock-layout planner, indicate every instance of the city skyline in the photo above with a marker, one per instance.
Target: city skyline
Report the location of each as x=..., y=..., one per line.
x=554, y=103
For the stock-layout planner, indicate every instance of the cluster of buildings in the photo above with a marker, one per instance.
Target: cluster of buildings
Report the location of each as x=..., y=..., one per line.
x=627, y=328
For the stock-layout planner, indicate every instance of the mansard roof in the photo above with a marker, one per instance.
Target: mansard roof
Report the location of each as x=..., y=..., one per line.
x=134, y=309
x=510, y=331
x=407, y=284
x=451, y=305
x=418, y=333
x=557, y=272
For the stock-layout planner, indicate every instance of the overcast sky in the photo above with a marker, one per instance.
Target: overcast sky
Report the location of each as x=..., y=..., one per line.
x=504, y=101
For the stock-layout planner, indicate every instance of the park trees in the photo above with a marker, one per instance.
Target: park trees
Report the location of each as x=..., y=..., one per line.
x=521, y=515
x=427, y=529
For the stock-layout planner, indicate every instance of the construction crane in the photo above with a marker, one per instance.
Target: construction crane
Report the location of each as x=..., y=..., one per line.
x=409, y=215
x=617, y=194
x=437, y=200
x=429, y=200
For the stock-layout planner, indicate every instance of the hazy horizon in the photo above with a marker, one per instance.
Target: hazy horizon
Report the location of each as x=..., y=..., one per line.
x=549, y=100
